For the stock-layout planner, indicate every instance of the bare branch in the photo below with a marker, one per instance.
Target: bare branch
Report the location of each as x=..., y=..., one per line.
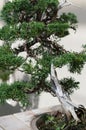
x=68, y=106
x=65, y=3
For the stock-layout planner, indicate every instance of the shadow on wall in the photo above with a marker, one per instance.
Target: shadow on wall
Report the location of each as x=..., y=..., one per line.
x=7, y=109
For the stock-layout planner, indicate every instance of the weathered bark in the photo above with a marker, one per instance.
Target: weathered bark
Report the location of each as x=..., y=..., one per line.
x=67, y=105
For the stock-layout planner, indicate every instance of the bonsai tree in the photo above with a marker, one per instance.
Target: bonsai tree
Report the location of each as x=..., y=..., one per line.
x=38, y=27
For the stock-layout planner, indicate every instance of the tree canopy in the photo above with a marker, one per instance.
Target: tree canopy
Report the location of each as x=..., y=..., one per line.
x=40, y=25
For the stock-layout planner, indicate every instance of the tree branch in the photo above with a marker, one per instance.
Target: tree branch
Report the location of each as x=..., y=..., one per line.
x=66, y=3
x=68, y=106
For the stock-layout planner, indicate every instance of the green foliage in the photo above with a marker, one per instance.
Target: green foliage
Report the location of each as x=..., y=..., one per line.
x=59, y=29
x=75, y=61
x=24, y=30
x=35, y=21
x=46, y=60
x=14, y=91
x=41, y=70
x=69, y=84
x=4, y=74
x=8, y=62
x=33, y=29
x=70, y=17
x=8, y=32
x=13, y=11
x=22, y=17
x=51, y=122
x=58, y=122
x=43, y=5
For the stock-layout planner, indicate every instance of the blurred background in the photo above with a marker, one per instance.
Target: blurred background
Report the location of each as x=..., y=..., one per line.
x=72, y=42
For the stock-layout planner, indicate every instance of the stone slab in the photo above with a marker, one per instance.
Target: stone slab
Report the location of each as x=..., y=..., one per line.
x=25, y=117
x=12, y=123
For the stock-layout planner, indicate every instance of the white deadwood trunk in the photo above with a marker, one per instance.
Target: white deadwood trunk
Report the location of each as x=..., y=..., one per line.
x=67, y=105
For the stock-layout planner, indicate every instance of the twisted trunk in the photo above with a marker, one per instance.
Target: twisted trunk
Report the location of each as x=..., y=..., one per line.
x=67, y=105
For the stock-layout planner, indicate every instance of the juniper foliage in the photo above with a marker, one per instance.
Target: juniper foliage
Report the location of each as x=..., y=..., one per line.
x=35, y=22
